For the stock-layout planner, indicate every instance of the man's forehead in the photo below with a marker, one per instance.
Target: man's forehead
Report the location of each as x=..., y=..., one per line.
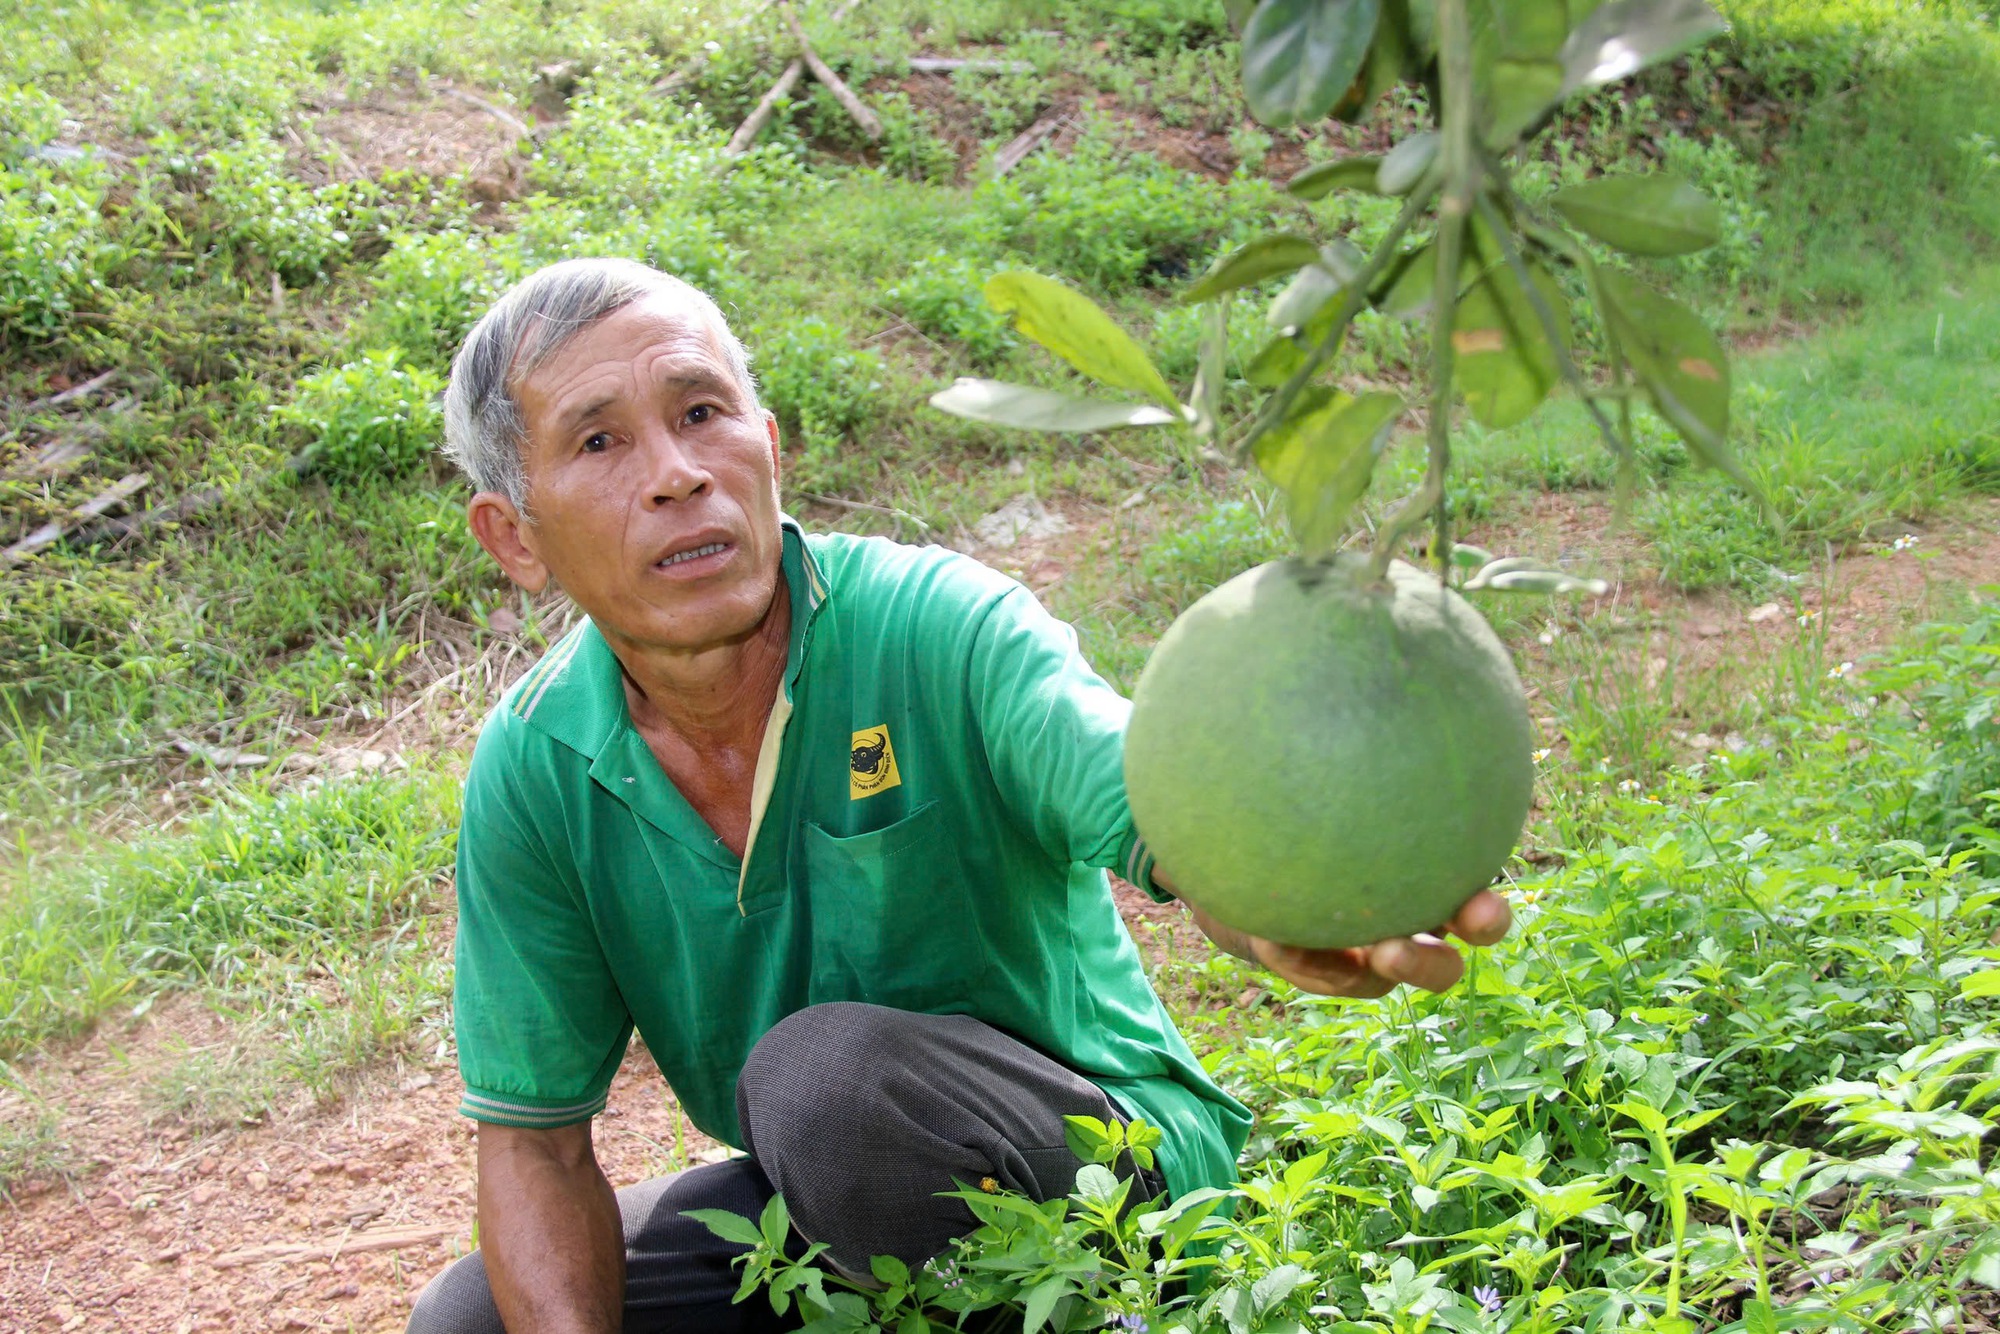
x=661, y=325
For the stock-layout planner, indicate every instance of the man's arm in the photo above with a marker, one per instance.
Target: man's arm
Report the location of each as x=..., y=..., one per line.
x=550, y=1232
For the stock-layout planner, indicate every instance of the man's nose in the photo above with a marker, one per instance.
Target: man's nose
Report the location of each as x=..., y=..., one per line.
x=672, y=472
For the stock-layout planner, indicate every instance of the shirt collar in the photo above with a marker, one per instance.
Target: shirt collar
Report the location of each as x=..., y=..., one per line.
x=576, y=693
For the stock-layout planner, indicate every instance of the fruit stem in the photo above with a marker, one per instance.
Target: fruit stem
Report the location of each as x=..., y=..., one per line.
x=1461, y=177
x=1352, y=299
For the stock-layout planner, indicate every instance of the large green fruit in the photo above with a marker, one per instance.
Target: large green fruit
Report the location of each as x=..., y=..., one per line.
x=1324, y=760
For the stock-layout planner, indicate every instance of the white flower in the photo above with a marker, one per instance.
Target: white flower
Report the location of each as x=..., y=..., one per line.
x=1807, y=618
x=1629, y=785
x=1541, y=755
x=1840, y=673
x=1904, y=543
x=1550, y=633
x=711, y=46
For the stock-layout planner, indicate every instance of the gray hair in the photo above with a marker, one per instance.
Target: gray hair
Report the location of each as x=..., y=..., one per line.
x=484, y=433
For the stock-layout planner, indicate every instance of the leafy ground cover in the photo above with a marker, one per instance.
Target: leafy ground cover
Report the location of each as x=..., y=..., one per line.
x=1737, y=1068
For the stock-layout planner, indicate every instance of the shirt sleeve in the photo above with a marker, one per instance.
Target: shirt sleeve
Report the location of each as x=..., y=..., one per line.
x=541, y=1024
x=1054, y=733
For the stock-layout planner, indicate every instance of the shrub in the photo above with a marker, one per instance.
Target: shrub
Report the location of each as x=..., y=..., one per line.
x=1210, y=549
x=52, y=250
x=1735, y=183
x=429, y=290
x=814, y=381
x=1115, y=219
x=941, y=296
x=371, y=417
x=29, y=118
x=267, y=215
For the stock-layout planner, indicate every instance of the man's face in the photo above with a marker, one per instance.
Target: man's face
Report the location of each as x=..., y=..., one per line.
x=652, y=480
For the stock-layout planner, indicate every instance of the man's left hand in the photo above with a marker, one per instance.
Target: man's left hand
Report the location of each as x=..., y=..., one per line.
x=1427, y=961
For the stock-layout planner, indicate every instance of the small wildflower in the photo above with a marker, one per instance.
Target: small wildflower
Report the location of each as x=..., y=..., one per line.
x=1135, y=1323
x=1488, y=1299
x=1905, y=542
x=1628, y=785
x=711, y=46
x=989, y=1185
x=1541, y=754
x=1807, y=618
x=1840, y=673
x=1550, y=634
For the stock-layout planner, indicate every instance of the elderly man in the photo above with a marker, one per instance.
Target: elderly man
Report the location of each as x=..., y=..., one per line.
x=825, y=818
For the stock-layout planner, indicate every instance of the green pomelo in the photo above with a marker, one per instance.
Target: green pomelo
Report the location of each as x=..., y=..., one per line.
x=1323, y=760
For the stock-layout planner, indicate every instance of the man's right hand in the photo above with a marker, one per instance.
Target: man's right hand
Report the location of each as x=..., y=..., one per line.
x=549, y=1231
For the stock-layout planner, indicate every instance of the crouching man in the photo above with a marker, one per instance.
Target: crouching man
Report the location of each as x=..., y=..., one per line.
x=825, y=818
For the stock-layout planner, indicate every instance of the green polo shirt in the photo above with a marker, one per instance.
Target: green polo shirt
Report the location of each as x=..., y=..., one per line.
x=936, y=800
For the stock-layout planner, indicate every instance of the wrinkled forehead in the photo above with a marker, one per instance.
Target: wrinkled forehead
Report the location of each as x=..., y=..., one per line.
x=677, y=324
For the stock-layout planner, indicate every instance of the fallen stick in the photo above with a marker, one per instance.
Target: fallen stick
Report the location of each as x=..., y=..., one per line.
x=944, y=65
x=499, y=113
x=760, y=116
x=186, y=507
x=871, y=125
x=1027, y=141
x=49, y=459
x=49, y=533
x=381, y=1239
x=74, y=392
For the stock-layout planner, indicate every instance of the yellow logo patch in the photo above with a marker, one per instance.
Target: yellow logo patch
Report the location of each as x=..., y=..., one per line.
x=871, y=763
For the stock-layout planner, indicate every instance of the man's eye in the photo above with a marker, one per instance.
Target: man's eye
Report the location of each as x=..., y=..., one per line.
x=699, y=413
x=597, y=443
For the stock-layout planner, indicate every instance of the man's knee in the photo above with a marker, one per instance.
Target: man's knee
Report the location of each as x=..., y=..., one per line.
x=457, y=1301
x=821, y=1070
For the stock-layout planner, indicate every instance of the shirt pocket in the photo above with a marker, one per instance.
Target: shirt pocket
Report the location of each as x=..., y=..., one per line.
x=893, y=918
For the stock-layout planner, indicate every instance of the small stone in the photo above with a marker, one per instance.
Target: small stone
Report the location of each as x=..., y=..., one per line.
x=415, y=1082
x=204, y=1194
x=257, y=1181
x=1770, y=611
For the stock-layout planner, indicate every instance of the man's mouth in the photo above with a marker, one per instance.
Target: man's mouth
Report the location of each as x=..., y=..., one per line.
x=695, y=553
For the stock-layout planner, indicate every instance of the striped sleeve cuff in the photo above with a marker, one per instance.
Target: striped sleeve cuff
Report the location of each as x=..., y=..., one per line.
x=514, y=1109
x=1137, y=866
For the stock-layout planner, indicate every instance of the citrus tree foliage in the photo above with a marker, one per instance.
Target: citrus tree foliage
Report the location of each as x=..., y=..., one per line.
x=1466, y=254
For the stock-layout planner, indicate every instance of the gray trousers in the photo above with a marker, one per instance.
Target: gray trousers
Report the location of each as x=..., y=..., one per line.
x=859, y=1116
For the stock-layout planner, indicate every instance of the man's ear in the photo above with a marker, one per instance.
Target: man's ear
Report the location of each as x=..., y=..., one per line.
x=507, y=536
x=771, y=428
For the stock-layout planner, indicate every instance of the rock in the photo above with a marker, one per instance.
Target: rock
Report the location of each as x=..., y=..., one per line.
x=1022, y=517
x=257, y=1181
x=204, y=1194
x=1770, y=611
x=415, y=1082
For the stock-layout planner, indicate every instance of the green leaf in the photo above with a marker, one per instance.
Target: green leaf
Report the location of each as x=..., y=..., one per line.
x=914, y=1322
x=728, y=1226
x=1075, y=328
x=776, y=1224
x=888, y=1269
x=1095, y=1183
x=1323, y=456
x=1505, y=365
x=1626, y=36
x=1031, y=409
x=1299, y=56
x=1406, y=163
x=1468, y=557
x=1302, y=298
x=1252, y=263
x=1642, y=215
x=1678, y=360
x=1348, y=173
x=1981, y=986
x=1517, y=574
x=1042, y=1299
x=1522, y=90
x=1275, y=362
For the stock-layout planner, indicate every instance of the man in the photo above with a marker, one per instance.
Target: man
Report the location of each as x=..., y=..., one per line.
x=826, y=818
